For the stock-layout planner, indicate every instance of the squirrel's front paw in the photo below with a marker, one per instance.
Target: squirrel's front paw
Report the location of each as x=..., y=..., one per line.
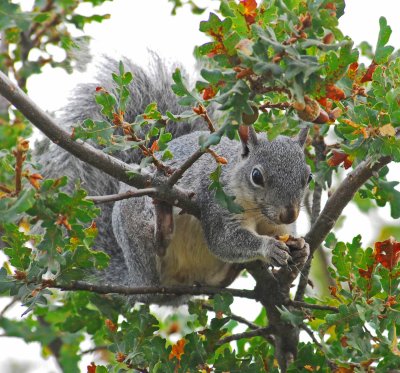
x=299, y=250
x=276, y=252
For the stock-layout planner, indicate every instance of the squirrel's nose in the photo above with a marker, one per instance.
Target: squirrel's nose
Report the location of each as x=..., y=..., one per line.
x=289, y=215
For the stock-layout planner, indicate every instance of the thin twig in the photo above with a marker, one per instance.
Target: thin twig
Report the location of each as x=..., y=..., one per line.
x=237, y=318
x=311, y=334
x=94, y=349
x=261, y=332
x=176, y=290
x=270, y=105
x=331, y=364
x=174, y=178
x=122, y=196
x=8, y=306
x=299, y=304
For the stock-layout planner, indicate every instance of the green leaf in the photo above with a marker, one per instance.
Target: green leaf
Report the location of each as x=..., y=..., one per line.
x=222, y=303
x=12, y=208
x=383, y=52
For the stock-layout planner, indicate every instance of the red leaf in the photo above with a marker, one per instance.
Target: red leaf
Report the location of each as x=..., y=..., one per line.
x=368, y=75
x=334, y=93
x=328, y=38
x=352, y=70
x=111, y=326
x=387, y=253
x=250, y=12
x=338, y=158
x=209, y=93
x=91, y=368
x=367, y=274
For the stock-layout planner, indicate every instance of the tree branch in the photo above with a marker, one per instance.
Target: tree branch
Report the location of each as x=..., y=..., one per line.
x=174, y=178
x=237, y=318
x=261, y=332
x=87, y=153
x=176, y=290
x=299, y=304
x=334, y=207
x=121, y=196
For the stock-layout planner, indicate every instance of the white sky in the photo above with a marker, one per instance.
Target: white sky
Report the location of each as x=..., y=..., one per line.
x=137, y=25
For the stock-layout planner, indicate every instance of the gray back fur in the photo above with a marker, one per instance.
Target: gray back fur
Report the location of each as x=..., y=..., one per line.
x=153, y=85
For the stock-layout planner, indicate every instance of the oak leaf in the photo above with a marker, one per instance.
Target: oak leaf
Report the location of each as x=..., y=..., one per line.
x=250, y=12
x=178, y=349
x=387, y=253
x=338, y=158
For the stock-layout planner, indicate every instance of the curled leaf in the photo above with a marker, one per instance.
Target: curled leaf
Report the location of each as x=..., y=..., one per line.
x=334, y=93
x=338, y=158
x=387, y=253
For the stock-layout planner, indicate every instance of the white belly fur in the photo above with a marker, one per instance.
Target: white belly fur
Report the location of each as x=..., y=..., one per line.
x=188, y=260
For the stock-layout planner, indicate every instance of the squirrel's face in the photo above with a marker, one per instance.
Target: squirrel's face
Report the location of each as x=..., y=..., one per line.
x=272, y=177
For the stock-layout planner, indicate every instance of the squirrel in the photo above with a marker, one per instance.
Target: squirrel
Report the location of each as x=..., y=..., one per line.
x=268, y=179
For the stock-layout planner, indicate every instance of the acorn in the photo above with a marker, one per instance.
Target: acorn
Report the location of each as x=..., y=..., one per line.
x=328, y=38
x=311, y=110
x=323, y=117
x=249, y=119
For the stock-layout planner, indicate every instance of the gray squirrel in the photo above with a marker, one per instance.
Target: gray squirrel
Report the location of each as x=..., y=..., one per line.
x=268, y=179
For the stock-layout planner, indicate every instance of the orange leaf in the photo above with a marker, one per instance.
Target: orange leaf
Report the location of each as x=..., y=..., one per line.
x=338, y=158
x=391, y=301
x=334, y=93
x=352, y=70
x=154, y=146
x=120, y=357
x=209, y=93
x=178, y=349
x=368, y=75
x=333, y=291
x=387, y=253
x=250, y=12
x=34, y=180
x=62, y=220
x=344, y=370
x=111, y=326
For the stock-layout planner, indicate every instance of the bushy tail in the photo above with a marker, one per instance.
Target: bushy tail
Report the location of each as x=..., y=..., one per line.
x=149, y=86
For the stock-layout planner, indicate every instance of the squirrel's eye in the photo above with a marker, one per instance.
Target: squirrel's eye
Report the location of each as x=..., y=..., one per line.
x=257, y=177
x=310, y=177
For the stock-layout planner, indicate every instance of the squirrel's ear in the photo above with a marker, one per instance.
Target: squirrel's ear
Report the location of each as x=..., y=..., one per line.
x=302, y=136
x=248, y=137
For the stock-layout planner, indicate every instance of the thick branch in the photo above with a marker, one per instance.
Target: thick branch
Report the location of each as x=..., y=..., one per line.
x=87, y=153
x=334, y=207
x=176, y=290
x=339, y=200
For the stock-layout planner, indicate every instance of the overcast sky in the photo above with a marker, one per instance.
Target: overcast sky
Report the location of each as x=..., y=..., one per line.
x=137, y=25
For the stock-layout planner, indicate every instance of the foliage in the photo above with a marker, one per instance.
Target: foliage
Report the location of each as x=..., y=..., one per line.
x=277, y=64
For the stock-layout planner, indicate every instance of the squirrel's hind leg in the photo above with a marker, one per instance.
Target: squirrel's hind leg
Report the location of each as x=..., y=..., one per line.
x=133, y=222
